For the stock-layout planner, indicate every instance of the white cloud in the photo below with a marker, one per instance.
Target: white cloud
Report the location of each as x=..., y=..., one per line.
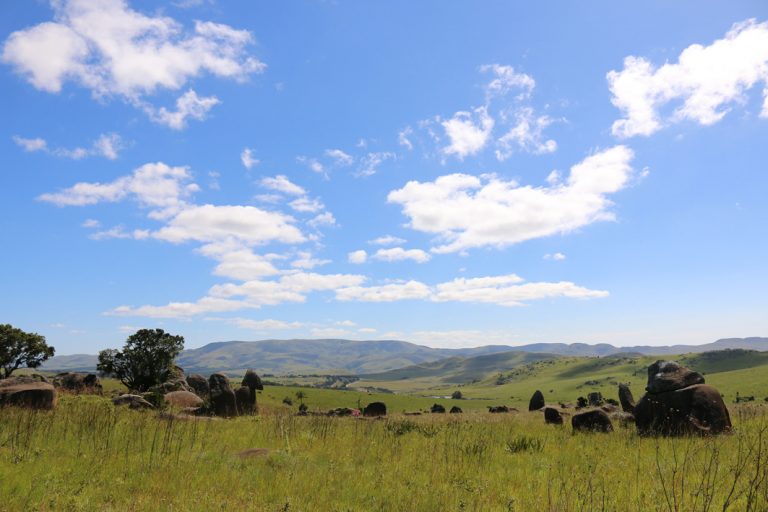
x=245, y=224
x=115, y=232
x=281, y=183
x=402, y=137
x=506, y=79
x=156, y=186
x=184, y=309
x=91, y=223
x=307, y=262
x=188, y=105
x=468, y=211
x=346, y=323
x=526, y=135
x=107, y=145
x=468, y=132
x=357, y=257
x=248, y=159
x=400, y=254
x=306, y=205
x=324, y=219
x=31, y=145
x=384, y=293
x=313, y=165
x=331, y=332
x=238, y=262
x=366, y=330
x=113, y=50
x=558, y=256
x=339, y=157
x=387, y=240
x=704, y=83
x=260, y=325
x=369, y=164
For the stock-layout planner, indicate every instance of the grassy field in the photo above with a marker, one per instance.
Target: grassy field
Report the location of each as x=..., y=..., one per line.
x=88, y=455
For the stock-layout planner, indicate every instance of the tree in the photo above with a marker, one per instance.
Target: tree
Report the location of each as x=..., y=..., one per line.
x=456, y=395
x=147, y=359
x=21, y=349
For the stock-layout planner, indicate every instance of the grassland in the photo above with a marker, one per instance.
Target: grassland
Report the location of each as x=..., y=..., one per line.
x=88, y=455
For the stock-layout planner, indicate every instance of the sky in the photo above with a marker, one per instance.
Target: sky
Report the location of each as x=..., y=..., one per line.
x=448, y=173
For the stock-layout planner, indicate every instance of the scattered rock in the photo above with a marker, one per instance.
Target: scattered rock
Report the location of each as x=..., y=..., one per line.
x=223, y=402
x=132, y=401
x=437, y=409
x=498, y=408
x=552, y=416
x=666, y=376
x=199, y=385
x=626, y=398
x=375, y=409
x=537, y=401
x=78, y=382
x=455, y=410
x=595, y=399
x=343, y=411
x=697, y=409
x=183, y=399
x=24, y=391
x=592, y=421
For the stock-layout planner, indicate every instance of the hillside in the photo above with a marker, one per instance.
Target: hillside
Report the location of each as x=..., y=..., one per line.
x=336, y=356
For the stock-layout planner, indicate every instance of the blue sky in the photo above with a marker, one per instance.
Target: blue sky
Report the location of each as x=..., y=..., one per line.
x=453, y=174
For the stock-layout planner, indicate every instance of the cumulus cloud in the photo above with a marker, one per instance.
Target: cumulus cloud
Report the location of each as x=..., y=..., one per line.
x=107, y=145
x=527, y=135
x=306, y=205
x=324, y=219
x=466, y=211
x=260, y=325
x=400, y=254
x=387, y=240
x=357, y=257
x=468, y=132
x=281, y=183
x=156, y=186
x=188, y=105
x=506, y=79
x=305, y=261
x=703, y=85
x=113, y=50
x=385, y=293
x=339, y=157
x=248, y=159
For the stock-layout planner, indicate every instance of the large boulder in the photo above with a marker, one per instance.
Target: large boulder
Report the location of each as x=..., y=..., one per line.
x=697, y=409
x=537, y=401
x=27, y=392
x=455, y=410
x=375, y=409
x=223, y=402
x=245, y=398
x=251, y=380
x=183, y=399
x=437, y=409
x=132, y=401
x=78, y=382
x=552, y=416
x=169, y=386
x=498, y=408
x=199, y=385
x=594, y=420
x=626, y=398
x=666, y=376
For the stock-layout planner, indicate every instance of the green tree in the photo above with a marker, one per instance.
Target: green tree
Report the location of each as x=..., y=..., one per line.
x=21, y=349
x=456, y=395
x=147, y=359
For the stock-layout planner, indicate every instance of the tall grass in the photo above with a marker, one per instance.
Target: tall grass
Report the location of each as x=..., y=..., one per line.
x=89, y=455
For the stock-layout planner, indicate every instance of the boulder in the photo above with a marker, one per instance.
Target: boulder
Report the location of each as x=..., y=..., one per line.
x=437, y=409
x=251, y=380
x=664, y=376
x=223, y=402
x=594, y=420
x=341, y=411
x=455, y=410
x=375, y=409
x=27, y=392
x=697, y=409
x=498, y=408
x=199, y=385
x=626, y=398
x=625, y=419
x=552, y=416
x=132, y=401
x=581, y=402
x=171, y=385
x=183, y=399
x=78, y=382
x=246, y=400
x=595, y=399
x=537, y=401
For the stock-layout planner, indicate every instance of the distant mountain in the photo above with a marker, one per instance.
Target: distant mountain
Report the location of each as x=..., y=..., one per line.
x=367, y=357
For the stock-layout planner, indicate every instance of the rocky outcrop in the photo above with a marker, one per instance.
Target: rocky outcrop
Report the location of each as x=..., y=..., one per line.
x=592, y=421
x=223, y=402
x=199, y=385
x=183, y=399
x=27, y=392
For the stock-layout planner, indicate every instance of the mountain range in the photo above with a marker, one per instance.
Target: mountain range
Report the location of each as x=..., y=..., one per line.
x=336, y=356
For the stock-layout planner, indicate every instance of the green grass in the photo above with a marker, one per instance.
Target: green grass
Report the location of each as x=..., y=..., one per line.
x=88, y=455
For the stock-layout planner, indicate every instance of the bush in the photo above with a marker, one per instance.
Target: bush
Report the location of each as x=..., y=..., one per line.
x=456, y=395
